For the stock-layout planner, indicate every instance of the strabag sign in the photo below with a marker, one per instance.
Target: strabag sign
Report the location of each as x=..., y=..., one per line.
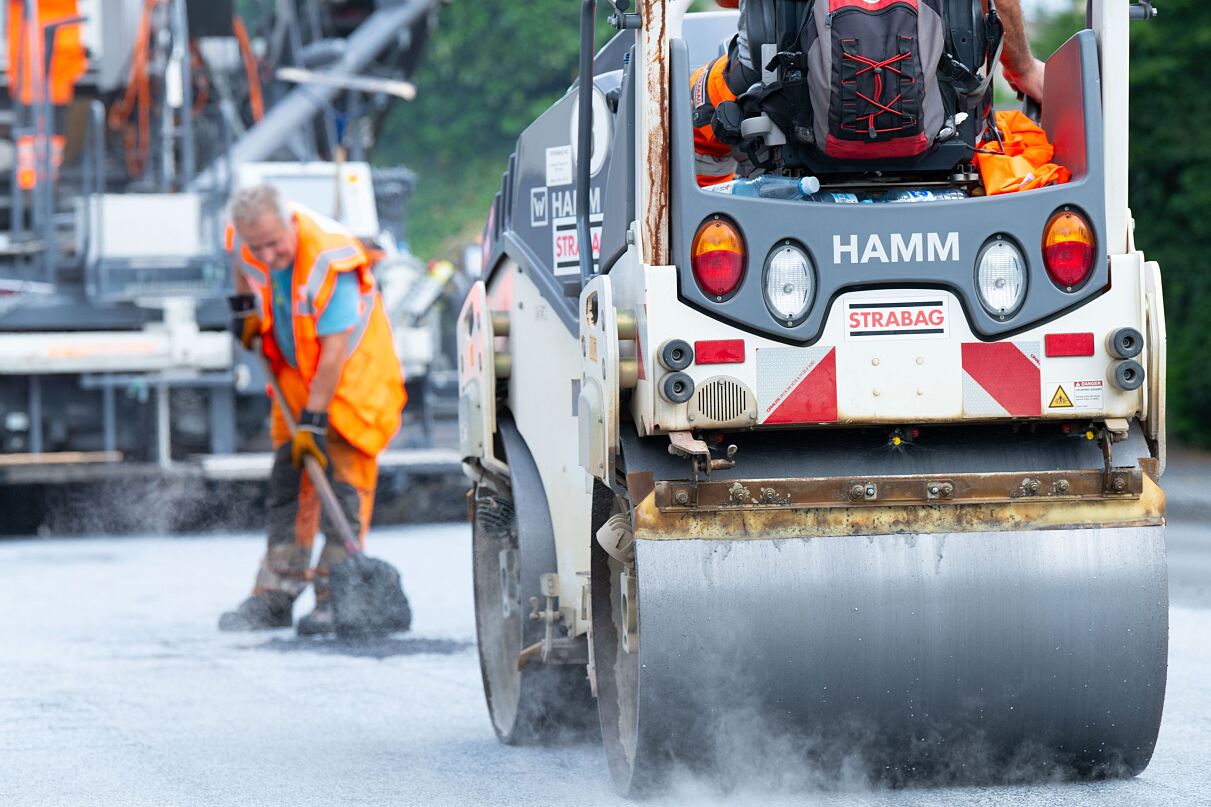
x=566, y=247
x=926, y=318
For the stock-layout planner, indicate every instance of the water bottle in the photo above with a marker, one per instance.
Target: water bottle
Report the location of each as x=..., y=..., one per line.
x=831, y=198
x=776, y=187
x=769, y=186
x=913, y=195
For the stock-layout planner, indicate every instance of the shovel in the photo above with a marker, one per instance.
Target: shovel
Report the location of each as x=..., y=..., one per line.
x=367, y=595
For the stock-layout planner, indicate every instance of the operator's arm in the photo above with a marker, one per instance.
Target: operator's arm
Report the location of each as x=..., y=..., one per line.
x=333, y=352
x=1022, y=70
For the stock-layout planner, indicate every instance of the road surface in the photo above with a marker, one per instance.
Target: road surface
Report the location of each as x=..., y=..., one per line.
x=116, y=689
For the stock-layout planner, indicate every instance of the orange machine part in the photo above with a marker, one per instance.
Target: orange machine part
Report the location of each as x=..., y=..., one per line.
x=27, y=159
x=68, y=62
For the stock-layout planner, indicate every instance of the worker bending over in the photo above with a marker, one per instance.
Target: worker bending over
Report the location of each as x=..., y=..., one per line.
x=730, y=75
x=306, y=295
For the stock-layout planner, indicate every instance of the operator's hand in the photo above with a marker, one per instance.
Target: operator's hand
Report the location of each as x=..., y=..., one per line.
x=245, y=322
x=310, y=438
x=1029, y=81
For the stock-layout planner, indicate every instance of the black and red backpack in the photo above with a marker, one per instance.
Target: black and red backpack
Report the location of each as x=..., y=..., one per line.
x=863, y=84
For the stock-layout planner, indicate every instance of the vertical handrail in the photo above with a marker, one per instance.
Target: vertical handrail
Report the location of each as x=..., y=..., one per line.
x=1109, y=20
x=163, y=66
x=44, y=177
x=93, y=161
x=46, y=182
x=181, y=34
x=584, y=140
x=97, y=111
x=224, y=176
x=20, y=128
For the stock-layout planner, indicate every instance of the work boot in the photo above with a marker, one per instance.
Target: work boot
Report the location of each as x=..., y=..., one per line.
x=268, y=609
x=319, y=622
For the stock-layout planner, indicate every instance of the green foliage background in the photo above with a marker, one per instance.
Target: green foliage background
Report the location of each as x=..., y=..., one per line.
x=492, y=68
x=495, y=66
x=1171, y=193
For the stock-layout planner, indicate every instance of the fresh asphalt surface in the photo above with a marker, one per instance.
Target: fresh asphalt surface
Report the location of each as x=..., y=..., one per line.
x=116, y=689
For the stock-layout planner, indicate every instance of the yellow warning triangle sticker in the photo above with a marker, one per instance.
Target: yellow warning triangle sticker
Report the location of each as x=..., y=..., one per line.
x=1060, y=400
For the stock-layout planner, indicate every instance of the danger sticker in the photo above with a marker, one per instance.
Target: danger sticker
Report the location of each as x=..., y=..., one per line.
x=914, y=319
x=1075, y=395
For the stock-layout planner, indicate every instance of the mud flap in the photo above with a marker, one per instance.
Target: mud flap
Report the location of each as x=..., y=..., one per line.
x=477, y=381
x=597, y=403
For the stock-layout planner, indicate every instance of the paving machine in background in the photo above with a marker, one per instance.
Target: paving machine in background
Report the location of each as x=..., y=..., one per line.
x=789, y=484
x=113, y=345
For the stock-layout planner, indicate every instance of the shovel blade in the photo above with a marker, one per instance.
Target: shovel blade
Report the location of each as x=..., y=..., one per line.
x=368, y=599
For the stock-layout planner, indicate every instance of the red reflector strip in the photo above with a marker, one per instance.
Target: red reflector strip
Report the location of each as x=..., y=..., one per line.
x=1068, y=344
x=719, y=351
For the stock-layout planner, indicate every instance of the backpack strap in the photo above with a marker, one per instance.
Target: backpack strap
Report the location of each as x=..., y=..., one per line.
x=970, y=87
x=789, y=104
x=791, y=15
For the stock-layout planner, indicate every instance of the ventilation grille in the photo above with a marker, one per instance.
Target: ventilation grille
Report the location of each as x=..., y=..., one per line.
x=725, y=401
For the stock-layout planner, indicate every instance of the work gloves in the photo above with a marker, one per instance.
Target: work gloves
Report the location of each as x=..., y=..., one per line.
x=310, y=438
x=245, y=322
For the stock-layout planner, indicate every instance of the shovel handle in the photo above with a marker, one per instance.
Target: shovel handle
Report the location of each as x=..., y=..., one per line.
x=319, y=480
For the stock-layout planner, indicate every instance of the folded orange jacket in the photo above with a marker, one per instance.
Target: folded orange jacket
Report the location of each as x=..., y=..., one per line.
x=1025, y=163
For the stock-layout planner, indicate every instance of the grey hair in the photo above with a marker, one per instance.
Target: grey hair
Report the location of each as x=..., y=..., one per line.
x=250, y=203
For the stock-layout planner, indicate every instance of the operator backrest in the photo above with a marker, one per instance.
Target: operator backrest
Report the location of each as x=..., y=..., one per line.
x=760, y=21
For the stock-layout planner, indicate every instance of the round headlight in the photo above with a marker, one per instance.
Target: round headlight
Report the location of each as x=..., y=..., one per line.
x=1001, y=277
x=790, y=283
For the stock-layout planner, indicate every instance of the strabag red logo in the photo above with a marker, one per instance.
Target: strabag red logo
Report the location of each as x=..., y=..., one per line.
x=896, y=319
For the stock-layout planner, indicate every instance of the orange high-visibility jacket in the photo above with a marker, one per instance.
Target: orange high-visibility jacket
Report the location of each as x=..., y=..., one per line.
x=68, y=59
x=370, y=397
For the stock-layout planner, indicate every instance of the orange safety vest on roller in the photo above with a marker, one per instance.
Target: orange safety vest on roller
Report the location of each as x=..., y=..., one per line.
x=370, y=397
x=68, y=59
x=1022, y=160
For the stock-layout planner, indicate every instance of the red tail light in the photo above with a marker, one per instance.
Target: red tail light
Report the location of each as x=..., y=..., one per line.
x=1068, y=249
x=717, y=257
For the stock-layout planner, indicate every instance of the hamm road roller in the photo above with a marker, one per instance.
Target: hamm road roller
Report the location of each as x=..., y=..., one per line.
x=847, y=460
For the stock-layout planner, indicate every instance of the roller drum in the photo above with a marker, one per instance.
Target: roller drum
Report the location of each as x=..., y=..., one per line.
x=964, y=655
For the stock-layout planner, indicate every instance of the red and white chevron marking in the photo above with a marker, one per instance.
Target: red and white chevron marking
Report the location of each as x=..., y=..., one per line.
x=1002, y=379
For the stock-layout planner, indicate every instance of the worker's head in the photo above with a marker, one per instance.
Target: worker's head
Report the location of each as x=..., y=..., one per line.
x=264, y=223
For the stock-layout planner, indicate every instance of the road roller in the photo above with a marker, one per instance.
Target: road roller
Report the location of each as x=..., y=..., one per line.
x=760, y=479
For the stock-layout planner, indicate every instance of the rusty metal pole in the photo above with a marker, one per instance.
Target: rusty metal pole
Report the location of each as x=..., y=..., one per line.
x=654, y=128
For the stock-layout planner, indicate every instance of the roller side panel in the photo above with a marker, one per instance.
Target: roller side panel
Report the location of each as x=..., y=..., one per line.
x=542, y=395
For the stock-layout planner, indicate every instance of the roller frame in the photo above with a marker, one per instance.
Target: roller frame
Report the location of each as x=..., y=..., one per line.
x=1045, y=578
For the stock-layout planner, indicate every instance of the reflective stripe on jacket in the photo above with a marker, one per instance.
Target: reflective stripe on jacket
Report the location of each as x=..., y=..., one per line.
x=370, y=397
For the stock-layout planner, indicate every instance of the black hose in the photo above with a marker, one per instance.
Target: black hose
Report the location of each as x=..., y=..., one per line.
x=584, y=140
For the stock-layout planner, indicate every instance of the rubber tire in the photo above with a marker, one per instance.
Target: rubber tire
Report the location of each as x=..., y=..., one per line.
x=538, y=704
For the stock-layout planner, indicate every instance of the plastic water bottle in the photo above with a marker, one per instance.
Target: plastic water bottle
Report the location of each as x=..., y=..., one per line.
x=831, y=198
x=769, y=186
x=914, y=195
